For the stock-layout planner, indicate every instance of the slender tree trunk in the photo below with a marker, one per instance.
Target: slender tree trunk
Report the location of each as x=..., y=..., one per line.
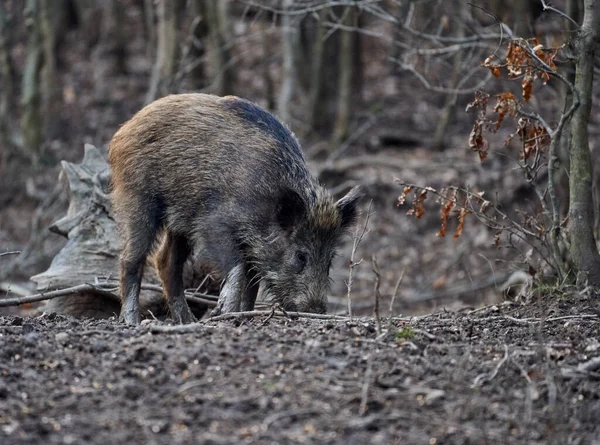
x=342, y=123
x=221, y=42
x=110, y=53
x=289, y=34
x=167, y=52
x=266, y=72
x=198, y=48
x=316, y=76
x=583, y=249
x=439, y=137
x=7, y=80
x=31, y=95
x=563, y=164
x=150, y=27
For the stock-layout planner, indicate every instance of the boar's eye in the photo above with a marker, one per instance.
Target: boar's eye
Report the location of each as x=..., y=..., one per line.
x=299, y=261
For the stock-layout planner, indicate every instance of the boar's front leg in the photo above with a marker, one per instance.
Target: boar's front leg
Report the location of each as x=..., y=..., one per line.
x=238, y=293
x=170, y=260
x=230, y=298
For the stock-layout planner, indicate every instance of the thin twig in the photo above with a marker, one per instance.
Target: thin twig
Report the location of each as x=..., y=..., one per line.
x=562, y=14
x=377, y=293
x=360, y=233
x=12, y=252
x=365, y=388
x=398, y=283
x=488, y=378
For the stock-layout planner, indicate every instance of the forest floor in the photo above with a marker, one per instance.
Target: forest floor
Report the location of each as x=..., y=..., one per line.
x=504, y=374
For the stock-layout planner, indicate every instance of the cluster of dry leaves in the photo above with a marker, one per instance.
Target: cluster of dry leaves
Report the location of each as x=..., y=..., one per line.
x=529, y=60
x=451, y=200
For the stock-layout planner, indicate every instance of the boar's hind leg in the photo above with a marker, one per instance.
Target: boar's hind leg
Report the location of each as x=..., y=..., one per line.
x=137, y=246
x=230, y=297
x=170, y=261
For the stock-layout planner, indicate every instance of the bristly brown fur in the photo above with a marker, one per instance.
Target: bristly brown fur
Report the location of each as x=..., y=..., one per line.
x=221, y=175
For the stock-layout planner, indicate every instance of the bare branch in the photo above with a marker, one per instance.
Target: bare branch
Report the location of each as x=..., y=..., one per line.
x=559, y=12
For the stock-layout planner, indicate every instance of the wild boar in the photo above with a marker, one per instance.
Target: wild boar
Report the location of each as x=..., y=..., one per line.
x=226, y=178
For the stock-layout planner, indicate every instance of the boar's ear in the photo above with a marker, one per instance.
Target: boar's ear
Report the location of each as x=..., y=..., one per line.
x=348, y=206
x=290, y=209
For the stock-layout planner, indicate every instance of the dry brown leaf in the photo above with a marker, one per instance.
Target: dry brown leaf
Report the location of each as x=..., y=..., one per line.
x=461, y=222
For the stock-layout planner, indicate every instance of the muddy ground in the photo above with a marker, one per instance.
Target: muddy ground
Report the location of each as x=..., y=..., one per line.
x=497, y=375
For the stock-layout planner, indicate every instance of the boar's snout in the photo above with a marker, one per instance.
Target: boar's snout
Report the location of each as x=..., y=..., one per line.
x=314, y=307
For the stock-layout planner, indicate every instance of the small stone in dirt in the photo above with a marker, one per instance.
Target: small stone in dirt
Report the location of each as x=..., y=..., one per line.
x=3, y=390
x=99, y=346
x=145, y=322
x=133, y=391
x=61, y=337
x=27, y=328
x=31, y=339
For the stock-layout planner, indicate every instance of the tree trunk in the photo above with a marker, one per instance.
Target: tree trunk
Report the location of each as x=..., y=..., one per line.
x=149, y=27
x=583, y=249
x=562, y=166
x=317, y=106
x=344, y=105
x=198, y=47
x=7, y=79
x=439, y=137
x=221, y=43
x=165, y=67
x=289, y=34
x=266, y=72
x=110, y=53
x=31, y=117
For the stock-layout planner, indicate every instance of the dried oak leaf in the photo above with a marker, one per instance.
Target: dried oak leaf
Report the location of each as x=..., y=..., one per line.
x=506, y=104
x=461, y=222
x=477, y=142
x=516, y=59
x=445, y=210
x=527, y=85
x=418, y=208
x=495, y=69
x=480, y=102
x=402, y=197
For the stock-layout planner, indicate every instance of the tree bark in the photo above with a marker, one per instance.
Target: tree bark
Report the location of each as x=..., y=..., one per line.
x=221, y=43
x=198, y=47
x=31, y=117
x=583, y=249
x=266, y=71
x=317, y=106
x=563, y=164
x=344, y=105
x=439, y=137
x=289, y=34
x=165, y=67
x=149, y=27
x=7, y=78
x=110, y=53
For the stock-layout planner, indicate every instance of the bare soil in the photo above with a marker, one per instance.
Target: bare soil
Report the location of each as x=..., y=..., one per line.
x=498, y=375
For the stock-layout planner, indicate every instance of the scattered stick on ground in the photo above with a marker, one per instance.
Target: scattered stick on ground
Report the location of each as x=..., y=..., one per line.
x=12, y=252
x=365, y=388
x=59, y=293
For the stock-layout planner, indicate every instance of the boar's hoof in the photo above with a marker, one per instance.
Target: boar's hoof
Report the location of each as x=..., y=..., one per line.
x=181, y=314
x=130, y=317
